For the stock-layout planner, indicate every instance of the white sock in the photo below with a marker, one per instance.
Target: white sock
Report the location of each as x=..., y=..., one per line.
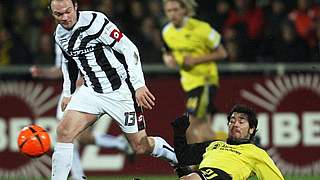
x=163, y=150
x=108, y=141
x=76, y=169
x=61, y=161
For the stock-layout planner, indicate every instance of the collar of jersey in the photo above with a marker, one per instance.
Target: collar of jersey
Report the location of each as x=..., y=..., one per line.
x=184, y=23
x=232, y=141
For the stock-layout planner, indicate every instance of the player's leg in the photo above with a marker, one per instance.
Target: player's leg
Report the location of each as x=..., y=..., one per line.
x=155, y=146
x=101, y=139
x=77, y=171
x=79, y=114
x=72, y=124
x=211, y=110
x=194, y=132
x=121, y=105
x=198, y=101
x=131, y=121
x=109, y=141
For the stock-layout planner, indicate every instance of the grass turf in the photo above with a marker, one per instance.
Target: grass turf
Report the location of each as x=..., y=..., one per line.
x=175, y=177
x=144, y=177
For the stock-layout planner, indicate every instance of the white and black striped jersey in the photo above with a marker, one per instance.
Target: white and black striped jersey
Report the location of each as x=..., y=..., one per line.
x=102, y=53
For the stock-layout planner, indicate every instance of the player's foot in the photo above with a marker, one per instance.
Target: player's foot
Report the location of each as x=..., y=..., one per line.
x=126, y=148
x=182, y=170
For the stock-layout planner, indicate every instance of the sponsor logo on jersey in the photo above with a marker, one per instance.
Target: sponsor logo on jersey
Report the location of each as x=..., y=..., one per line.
x=81, y=51
x=63, y=40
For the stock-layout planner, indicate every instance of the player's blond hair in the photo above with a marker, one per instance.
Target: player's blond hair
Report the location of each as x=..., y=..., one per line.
x=189, y=5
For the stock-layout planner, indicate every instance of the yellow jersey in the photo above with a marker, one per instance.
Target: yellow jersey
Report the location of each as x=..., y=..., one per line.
x=240, y=161
x=196, y=38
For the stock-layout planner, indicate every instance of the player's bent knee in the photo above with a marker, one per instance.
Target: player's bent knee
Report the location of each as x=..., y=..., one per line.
x=64, y=134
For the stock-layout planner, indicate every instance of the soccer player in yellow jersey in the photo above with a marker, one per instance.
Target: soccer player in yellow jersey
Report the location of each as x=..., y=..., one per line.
x=193, y=46
x=236, y=159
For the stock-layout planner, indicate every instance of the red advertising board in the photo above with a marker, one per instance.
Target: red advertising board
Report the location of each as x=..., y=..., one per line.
x=288, y=110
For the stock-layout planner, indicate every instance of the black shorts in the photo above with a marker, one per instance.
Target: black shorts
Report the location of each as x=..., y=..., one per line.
x=213, y=174
x=200, y=101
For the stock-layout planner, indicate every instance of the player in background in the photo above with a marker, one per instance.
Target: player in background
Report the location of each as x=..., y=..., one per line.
x=194, y=47
x=114, y=84
x=88, y=136
x=236, y=158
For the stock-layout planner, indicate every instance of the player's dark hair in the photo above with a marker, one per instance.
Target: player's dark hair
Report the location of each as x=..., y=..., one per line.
x=74, y=2
x=252, y=117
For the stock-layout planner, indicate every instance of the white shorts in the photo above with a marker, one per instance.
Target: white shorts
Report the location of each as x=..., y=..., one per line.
x=119, y=104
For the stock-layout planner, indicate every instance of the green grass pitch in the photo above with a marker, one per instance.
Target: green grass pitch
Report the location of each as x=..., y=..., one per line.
x=144, y=177
x=175, y=178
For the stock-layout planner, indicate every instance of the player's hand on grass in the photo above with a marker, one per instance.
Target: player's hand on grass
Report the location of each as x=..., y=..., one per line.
x=145, y=98
x=65, y=102
x=181, y=124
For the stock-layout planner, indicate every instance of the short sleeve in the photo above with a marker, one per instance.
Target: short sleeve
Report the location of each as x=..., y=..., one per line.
x=211, y=36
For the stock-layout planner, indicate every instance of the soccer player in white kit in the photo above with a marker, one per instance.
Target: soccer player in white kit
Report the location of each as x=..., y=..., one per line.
x=88, y=137
x=114, y=84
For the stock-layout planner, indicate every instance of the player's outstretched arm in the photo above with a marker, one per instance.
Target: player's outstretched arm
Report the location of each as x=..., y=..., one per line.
x=48, y=73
